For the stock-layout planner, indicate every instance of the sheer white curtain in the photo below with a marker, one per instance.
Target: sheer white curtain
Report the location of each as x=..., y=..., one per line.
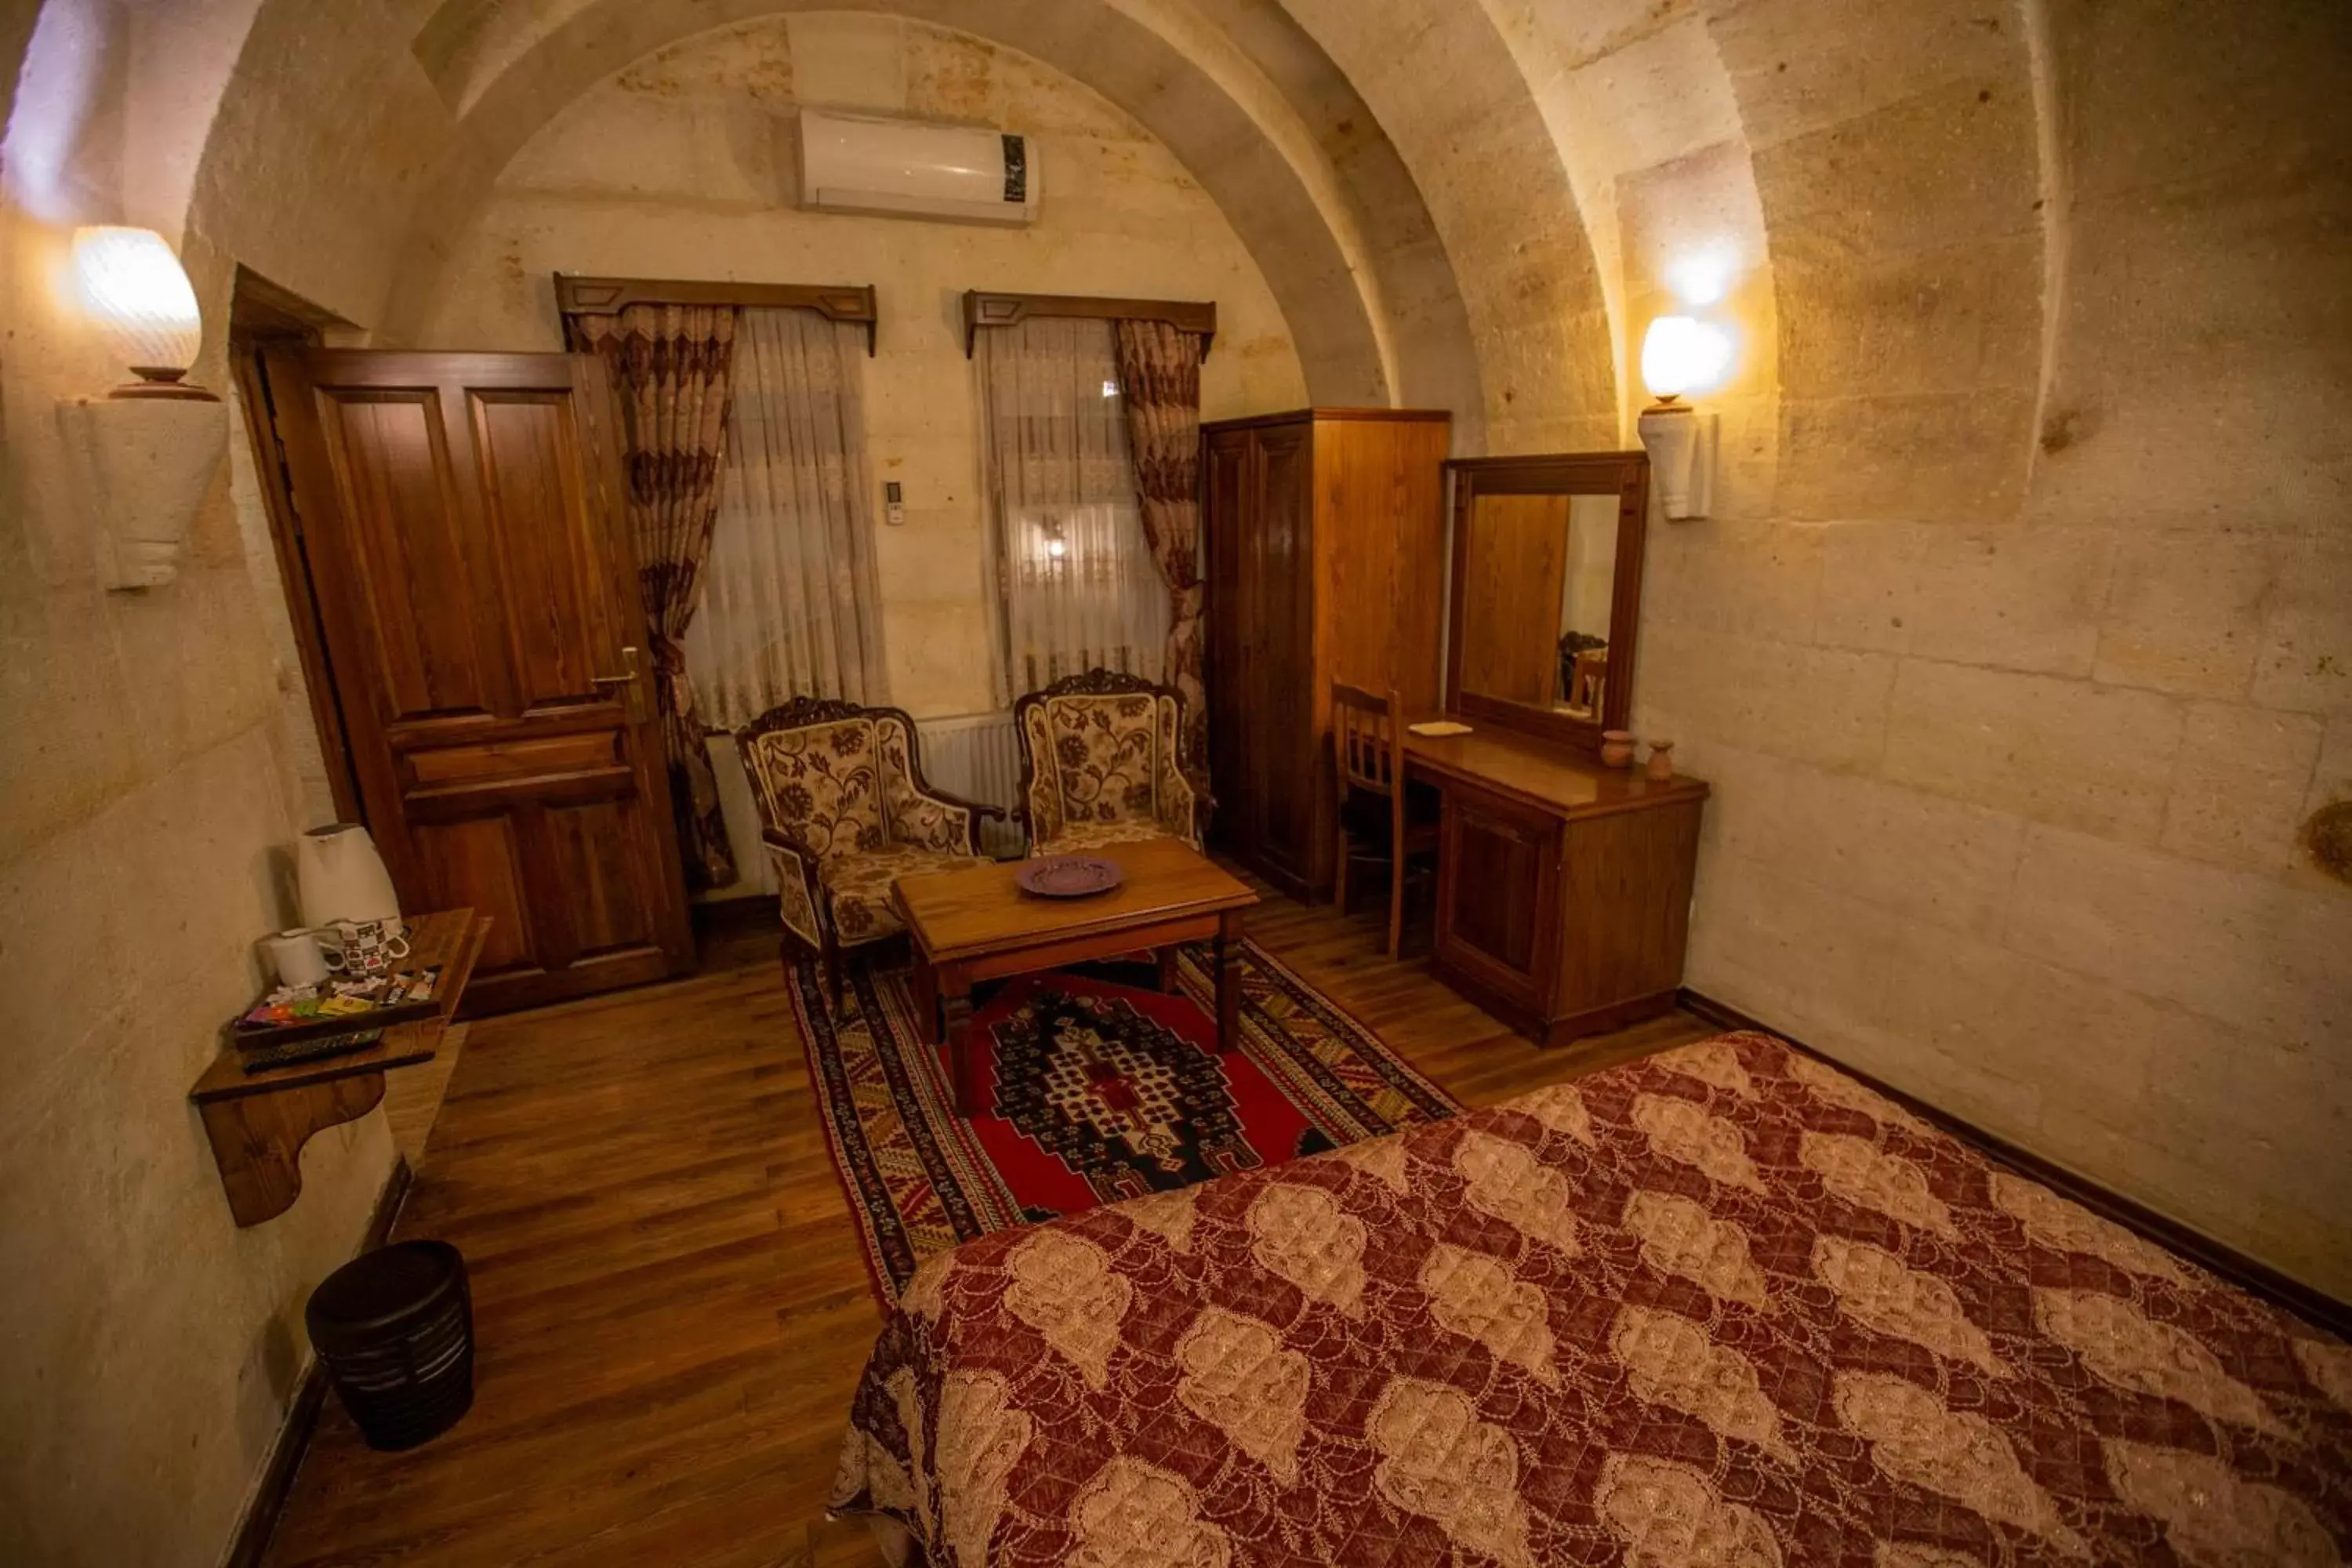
x=790, y=606
x=1075, y=587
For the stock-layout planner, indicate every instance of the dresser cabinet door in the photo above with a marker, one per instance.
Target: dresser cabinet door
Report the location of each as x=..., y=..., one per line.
x=1498, y=895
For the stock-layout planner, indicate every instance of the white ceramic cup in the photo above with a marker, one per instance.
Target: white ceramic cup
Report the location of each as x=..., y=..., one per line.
x=295, y=957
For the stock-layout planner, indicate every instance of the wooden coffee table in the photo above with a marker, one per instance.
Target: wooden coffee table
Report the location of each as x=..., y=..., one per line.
x=976, y=925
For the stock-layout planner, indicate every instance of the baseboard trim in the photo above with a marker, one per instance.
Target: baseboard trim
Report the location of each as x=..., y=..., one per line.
x=250, y=1541
x=2215, y=1256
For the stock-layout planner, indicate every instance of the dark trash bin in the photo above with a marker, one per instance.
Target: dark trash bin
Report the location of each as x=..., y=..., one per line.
x=396, y=1332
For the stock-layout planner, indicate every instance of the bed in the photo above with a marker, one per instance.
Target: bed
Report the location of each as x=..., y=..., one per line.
x=1723, y=1306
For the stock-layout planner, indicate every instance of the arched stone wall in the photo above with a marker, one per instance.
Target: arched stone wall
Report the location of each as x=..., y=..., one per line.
x=1448, y=94
x=1322, y=203
x=678, y=166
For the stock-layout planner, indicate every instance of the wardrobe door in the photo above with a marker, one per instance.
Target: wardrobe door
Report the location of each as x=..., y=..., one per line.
x=1281, y=671
x=1226, y=507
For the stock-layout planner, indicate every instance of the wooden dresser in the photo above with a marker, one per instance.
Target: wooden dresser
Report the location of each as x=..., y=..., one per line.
x=1563, y=887
x=1325, y=533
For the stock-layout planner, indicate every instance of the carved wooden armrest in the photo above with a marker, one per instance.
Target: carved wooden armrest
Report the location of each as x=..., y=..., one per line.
x=965, y=828
x=1204, y=799
x=977, y=808
x=792, y=846
x=785, y=838
x=798, y=890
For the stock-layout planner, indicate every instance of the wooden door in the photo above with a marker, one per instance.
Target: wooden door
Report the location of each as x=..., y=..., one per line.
x=1278, y=574
x=1226, y=503
x=1498, y=895
x=466, y=521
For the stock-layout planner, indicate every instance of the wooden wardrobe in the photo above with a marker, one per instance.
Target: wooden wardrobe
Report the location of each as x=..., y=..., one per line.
x=1325, y=535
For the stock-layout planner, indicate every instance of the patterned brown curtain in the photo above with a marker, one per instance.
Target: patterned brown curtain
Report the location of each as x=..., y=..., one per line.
x=1159, y=380
x=669, y=366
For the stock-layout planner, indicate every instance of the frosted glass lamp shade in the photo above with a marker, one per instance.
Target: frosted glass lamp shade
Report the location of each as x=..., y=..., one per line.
x=1681, y=354
x=137, y=293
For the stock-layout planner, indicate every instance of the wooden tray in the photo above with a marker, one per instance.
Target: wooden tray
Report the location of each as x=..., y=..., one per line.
x=251, y=1036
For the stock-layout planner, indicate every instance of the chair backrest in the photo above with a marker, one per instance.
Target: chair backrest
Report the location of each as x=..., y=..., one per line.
x=1099, y=747
x=1364, y=738
x=1588, y=683
x=816, y=772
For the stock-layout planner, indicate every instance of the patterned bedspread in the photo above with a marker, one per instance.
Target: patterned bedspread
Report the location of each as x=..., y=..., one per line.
x=1723, y=1305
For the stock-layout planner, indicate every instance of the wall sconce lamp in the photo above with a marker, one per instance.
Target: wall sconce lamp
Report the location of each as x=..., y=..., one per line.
x=145, y=453
x=1679, y=355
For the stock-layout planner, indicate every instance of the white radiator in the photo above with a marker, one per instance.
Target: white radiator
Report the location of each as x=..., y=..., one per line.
x=975, y=755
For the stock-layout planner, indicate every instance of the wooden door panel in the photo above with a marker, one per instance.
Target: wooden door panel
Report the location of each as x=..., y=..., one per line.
x=471, y=798
x=1498, y=893
x=477, y=590
x=555, y=604
x=487, y=760
x=399, y=537
x=476, y=862
x=589, y=840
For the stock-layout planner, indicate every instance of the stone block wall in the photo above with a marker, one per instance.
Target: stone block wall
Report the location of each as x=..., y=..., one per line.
x=2019, y=671
x=151, y=1344
x=149, y=782
x=2016, y=648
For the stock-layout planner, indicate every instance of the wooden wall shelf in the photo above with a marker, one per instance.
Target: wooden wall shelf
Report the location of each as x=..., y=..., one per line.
x=258, y=1123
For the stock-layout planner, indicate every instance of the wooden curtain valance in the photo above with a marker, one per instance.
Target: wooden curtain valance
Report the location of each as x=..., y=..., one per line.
x=576, y=296
x=983, y=309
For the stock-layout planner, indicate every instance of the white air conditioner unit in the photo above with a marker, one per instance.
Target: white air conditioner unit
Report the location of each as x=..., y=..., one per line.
x=852, y=164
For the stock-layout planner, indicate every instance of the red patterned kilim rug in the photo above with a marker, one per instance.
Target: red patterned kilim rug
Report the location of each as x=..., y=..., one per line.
x=1100, y=1091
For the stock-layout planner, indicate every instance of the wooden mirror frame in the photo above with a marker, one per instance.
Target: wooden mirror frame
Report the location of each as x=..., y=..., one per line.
x=1626, y=475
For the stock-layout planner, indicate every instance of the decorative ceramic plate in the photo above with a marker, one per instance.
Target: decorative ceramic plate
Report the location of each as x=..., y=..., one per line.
x=1068, y=876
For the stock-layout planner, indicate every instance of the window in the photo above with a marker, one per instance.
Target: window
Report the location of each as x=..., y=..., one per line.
x=1074, y=584
x=790, y=604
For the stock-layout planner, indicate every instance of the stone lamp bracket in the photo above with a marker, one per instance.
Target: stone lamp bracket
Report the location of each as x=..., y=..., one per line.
x=144, y=466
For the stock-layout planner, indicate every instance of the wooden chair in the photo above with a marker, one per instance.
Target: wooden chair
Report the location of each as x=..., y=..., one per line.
x=1101, y=764
x=845, y=812
x=1367, y=739
x=1591, y=680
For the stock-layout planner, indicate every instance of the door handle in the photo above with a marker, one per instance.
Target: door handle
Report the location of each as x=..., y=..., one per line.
x=631, y=687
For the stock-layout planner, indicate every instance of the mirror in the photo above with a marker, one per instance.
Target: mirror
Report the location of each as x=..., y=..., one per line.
x=1546, y=562
x=1535, y=627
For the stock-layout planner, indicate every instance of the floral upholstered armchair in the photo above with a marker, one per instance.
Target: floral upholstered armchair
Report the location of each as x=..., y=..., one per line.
x=845, y=812
x=1099, y=764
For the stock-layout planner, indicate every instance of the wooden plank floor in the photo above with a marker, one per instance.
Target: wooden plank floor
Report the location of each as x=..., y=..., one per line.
x=669, y=1306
